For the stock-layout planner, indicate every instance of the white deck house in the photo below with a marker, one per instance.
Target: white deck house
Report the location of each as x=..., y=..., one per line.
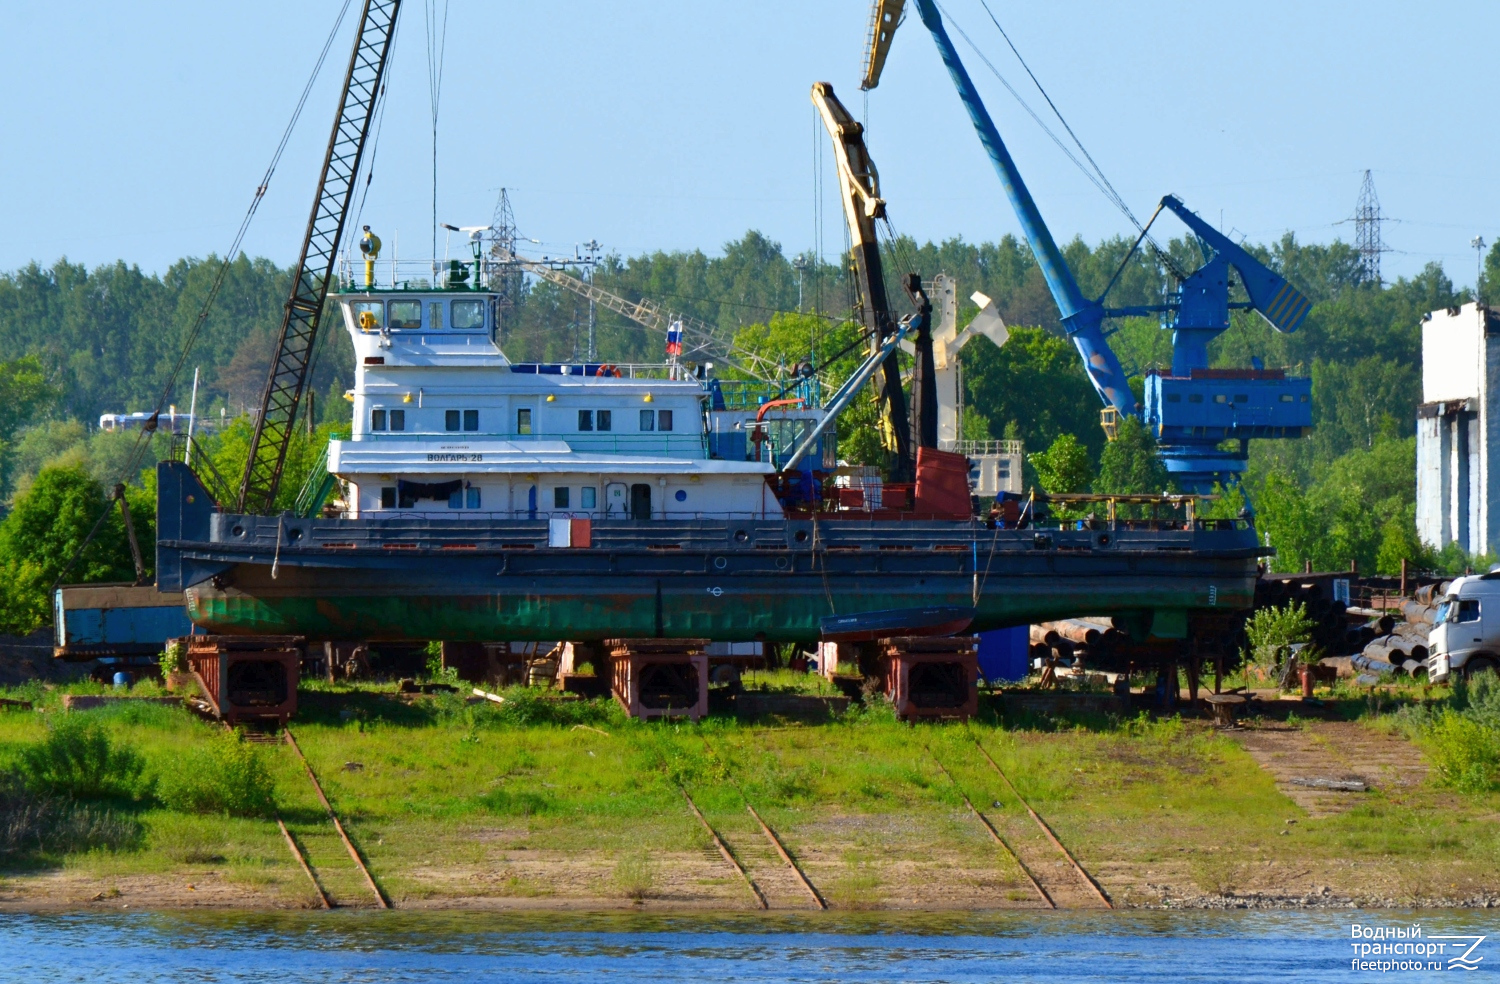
x=445, y=424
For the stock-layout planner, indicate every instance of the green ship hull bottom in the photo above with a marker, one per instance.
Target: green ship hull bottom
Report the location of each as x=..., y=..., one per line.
x=786, y=609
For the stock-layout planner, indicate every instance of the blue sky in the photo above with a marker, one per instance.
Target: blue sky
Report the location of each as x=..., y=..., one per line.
x=139, y=131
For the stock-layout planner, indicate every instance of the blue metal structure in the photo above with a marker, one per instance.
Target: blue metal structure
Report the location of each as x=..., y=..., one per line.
x=1195, y=409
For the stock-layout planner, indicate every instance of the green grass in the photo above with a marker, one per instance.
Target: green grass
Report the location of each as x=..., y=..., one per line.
x=446, y=798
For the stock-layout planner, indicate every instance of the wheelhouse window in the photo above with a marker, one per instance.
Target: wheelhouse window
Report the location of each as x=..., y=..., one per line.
x=560, y=497
x=368, y=315
x=467, y=419
x=523, y=421
x=405, y=315
x=435, y=316
x=377, y=420
x=604, y=419
x=468, y=315
x=585, y=420
x=398, y=420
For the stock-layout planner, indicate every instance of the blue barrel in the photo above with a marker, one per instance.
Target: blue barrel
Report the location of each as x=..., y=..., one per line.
x=124, y=680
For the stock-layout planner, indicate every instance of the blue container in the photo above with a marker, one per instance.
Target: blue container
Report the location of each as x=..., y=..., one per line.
x=1002, y=653
x=124, y=680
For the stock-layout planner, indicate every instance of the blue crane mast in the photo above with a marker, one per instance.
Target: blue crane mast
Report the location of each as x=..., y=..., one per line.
x=1195, y=409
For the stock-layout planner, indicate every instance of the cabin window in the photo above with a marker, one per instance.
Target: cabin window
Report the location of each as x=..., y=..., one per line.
x=468, y=315
x=585, y=420
x=435, y=316
x=450, y=420
x=1195, y=397
x=1221, y=398
x=587, y=497
x=560, y=497
x=523, y=420
x=471, y=420
x=663, y=420
x=388, y=497
x=471, y=497
x=368, y=315
x=377, y=420
x=1468, y=611
x=1286, y=398
x=1302, y=398
x=456, y=499
x=648, y=420
x=1242, y=397
x=406, y=315
x=605, y=419
x=398, y=420
x=1174, y=397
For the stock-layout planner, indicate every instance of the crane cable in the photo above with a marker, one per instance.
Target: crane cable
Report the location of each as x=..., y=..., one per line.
x=437, y=47
x=144, y=436
x=1093, y=172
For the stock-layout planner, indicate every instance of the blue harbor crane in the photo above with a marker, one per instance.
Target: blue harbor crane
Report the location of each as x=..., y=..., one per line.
x=1194, y=410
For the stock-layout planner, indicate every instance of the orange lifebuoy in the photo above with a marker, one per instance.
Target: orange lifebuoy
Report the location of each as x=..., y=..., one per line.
x=608, y=370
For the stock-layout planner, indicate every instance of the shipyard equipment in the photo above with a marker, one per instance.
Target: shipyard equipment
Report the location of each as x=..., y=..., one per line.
x=859, y=187
x=316, y=265
x=1193, y=410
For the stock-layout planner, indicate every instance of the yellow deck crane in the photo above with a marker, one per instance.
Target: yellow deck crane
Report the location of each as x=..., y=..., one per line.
x=859, y=187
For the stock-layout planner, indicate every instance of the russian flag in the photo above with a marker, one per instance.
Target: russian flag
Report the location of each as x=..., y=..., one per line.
x=674, y=338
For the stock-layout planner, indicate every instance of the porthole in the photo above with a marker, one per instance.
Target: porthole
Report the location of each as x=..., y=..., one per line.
x=720, y=563
x=781, y=563
x=294, y=534
x=740, y=536
x=681, y=495
x=238, y=531
x=800, y=536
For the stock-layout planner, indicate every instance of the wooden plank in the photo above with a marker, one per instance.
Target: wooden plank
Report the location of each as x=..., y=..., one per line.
x=348, y=844
x=734, y=863
x=781, y=850
x=302, y=860
x=1087, y=878
x=995, y=835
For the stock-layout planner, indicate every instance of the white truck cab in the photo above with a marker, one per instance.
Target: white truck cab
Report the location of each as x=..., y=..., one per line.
x=1465, y=637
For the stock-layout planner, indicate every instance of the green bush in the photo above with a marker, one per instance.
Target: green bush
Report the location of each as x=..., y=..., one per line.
x=226, y=776
x=77, y=759
x=1465, y=753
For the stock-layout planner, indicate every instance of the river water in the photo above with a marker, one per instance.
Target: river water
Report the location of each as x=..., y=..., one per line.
x=353, y=946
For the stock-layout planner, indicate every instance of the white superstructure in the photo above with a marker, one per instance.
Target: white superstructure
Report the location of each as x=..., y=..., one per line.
x=445, y=424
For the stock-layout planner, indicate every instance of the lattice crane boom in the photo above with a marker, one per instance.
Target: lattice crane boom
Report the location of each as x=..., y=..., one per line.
x=287, y=377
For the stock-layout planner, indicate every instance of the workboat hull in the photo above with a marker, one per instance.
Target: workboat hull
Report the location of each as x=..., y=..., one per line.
x=774, y=580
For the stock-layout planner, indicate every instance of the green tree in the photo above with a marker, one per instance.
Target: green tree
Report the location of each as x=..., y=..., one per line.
x=1036, y=382
x=1129, y=465
x=42, y=539
x=1063, y=467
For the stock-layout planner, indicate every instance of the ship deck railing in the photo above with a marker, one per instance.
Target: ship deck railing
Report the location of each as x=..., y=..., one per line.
x=685, y=445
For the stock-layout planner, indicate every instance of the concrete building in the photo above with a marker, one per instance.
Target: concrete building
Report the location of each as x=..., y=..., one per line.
x=1458, y=430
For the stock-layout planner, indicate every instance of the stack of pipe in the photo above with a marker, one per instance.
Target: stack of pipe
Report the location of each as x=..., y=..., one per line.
x=1078, y=641
x=1402, y=648
x=1335, y=630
